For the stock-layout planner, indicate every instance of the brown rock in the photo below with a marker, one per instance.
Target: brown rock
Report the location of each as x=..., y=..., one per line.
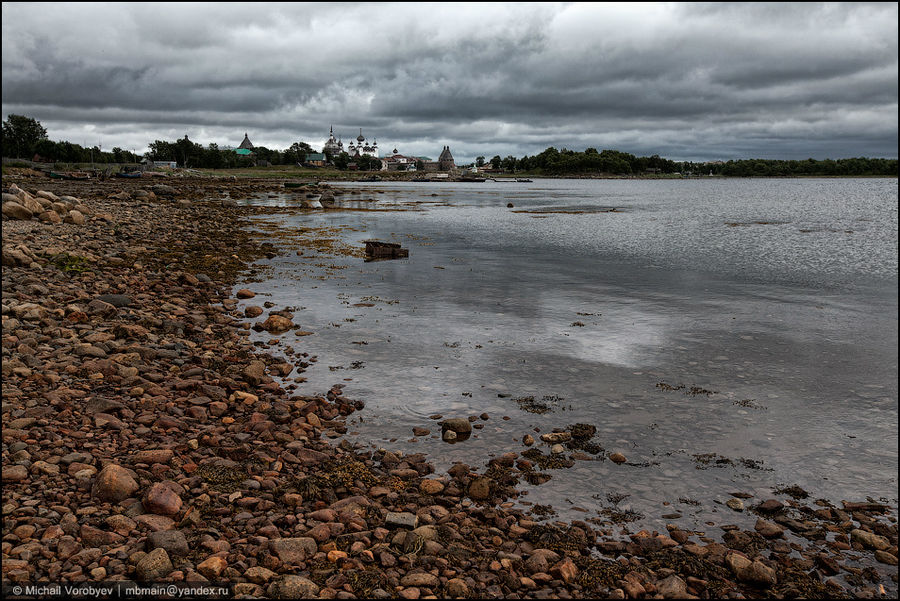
x=460, y=425
x=245, y=293
x=457, y=587
x=275, y=324
x=94, y=537
x=870, y=540
x=50, y=217
x=154, y=456
x=293, y=587
x=212, y=567
x=672, y=587
x=114, y=484
x=155, y=522
x=431, y=487
x=768, y=529
x=259, y=575
x=255, y=372
x=161, y=499
x=617, y=458
x=420, y=579
x=480, y=488
x=293, y=550
x=75, y=217
x=565, y=570
x=154, y=566
x=15, y=473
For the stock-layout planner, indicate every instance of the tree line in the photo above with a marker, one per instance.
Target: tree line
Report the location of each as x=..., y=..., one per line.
x=190, y=154
x=24, y=137
x=570, y=162
x=614, y=162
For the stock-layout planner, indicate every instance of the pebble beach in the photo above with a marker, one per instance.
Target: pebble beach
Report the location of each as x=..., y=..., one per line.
x=146, y=439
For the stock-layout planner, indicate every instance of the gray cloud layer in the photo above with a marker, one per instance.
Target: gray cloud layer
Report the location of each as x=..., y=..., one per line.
x=686, y=81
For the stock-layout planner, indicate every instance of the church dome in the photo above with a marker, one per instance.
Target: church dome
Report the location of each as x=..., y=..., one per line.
x=246, y=144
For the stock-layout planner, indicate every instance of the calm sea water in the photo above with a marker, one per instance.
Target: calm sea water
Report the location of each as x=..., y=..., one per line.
x=776, y=297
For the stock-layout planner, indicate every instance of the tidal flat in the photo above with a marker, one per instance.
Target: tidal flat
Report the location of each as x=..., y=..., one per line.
x=166, y=435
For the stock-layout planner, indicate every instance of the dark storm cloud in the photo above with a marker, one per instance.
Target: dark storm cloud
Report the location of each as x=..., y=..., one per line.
x=687, y=81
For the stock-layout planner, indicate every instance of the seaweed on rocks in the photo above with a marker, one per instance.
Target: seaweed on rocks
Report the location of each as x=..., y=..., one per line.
x=365, y=582
x=70, y=263
x=565, y=541
x=620, y=516
x=547, y=461
x=596, y=575
x=794, y=583
x=545, y=405
x=581, y=439
x=222, y=478
x=793, y=491
x=344, y=471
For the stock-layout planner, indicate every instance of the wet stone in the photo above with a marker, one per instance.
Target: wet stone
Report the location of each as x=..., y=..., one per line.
x=395, y=519
x=172, y=541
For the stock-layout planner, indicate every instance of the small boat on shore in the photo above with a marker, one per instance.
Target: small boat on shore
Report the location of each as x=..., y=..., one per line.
x=523, y=180
x=79, y=175
x=129, y=174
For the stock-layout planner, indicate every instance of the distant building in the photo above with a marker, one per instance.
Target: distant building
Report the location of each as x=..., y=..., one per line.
x=246, y=144
x=398, y=162
x=362, y=147
x=332, y=146
x=316, y=159
x=246, y=149
x=445, y=162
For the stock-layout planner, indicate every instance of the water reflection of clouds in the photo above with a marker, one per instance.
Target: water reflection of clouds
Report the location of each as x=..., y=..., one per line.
x=626, y=336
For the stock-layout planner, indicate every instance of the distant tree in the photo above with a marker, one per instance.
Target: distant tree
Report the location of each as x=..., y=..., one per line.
x=213, y=158
x=298, y=152
x=342, y=160
x=47, y=149
x=160, y=150
x=21, y=134
x=509, y=163
x=367, y=163
x=496, y=161
x=479, y=161
x=420, y=165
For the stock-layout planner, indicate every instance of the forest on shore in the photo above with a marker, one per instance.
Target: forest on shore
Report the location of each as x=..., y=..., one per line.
x=24, y=137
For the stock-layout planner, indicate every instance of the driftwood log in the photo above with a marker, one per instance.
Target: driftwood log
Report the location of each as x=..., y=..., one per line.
x=384, y=250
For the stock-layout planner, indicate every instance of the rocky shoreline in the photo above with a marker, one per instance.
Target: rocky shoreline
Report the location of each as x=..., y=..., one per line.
x=146, y=439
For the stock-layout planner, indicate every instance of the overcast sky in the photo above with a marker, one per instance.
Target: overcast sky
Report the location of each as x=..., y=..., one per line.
x=685, y=81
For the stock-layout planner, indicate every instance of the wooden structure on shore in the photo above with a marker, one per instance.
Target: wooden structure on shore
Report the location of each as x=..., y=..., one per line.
x=377, y=250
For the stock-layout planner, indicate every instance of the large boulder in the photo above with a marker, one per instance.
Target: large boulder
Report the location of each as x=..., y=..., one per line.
x=293, y=587
x=114, y=483
x=460, y=425
x=293, y=550
x=154, y=565
x=14, y=210
x=75, y=217
x=162, y=499
x=276, y=324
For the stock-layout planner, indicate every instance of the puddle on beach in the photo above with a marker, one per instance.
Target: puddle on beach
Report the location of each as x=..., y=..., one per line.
x=709, y=376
